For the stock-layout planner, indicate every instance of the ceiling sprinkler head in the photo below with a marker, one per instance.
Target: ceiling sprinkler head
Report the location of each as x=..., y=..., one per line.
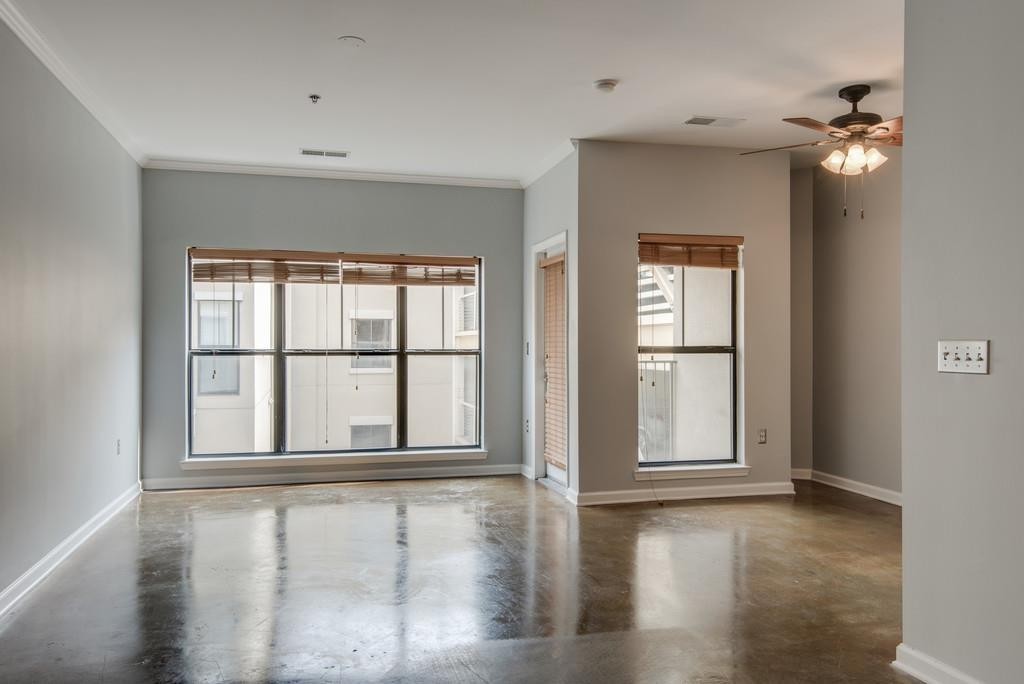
x=606, y=85
x=314, y=98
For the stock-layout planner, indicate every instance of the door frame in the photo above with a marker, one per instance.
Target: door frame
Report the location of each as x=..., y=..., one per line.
x=536, y=466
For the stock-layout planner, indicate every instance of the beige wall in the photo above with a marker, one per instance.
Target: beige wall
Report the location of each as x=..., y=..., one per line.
x=857, y=326
x=963, y=601
x=801, y=235
x=627, y=189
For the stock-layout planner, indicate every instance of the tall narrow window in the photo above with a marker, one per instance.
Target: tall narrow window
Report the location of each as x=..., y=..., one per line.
x=332, y=352
x=686, y=365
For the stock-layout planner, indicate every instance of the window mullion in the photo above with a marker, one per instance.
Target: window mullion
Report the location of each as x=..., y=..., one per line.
x=402, y=400
x=280, y=371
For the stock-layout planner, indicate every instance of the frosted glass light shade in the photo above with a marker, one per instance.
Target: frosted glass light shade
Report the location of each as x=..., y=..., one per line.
x=875, y=158
x=834, y=161
x=855, y=157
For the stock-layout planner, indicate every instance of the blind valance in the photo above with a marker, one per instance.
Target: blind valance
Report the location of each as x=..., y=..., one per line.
x=282, y=266
x=709, y=251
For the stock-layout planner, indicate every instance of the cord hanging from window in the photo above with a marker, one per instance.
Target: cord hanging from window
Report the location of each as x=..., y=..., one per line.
x=355, y=325
x=327, y=372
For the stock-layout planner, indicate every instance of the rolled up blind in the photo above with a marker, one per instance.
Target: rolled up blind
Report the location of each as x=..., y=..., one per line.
x=281, y=266
x=708, y=251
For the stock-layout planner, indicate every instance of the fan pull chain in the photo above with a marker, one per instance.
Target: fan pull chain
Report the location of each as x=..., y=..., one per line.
x=844, y=194
x=862, y=196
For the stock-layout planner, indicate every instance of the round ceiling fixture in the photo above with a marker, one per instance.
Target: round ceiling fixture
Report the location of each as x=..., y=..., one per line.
x=352, y=42
x=606, y=85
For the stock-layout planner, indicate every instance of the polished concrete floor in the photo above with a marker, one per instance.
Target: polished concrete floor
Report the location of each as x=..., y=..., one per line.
x=468, y=580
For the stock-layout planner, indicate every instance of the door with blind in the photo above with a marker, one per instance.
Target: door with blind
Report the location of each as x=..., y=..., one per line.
x=556, y=414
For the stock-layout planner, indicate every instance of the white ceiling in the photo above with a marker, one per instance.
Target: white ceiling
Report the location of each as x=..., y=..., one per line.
x=486, y=89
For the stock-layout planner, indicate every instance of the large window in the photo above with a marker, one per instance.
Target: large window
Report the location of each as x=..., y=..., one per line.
x=297, y=352
x=686, y=364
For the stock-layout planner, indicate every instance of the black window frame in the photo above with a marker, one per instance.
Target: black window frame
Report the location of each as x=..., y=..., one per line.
x=729, y=349
x=400, y=355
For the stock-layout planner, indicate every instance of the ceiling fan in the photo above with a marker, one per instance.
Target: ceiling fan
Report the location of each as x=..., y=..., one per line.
x=858, y=134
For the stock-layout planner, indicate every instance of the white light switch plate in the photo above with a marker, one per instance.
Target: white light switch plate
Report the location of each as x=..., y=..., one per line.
x=963, y=356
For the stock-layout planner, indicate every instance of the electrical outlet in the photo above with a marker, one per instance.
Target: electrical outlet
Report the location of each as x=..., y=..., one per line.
x=762, y=436
x=963, y=356
x=527, y=424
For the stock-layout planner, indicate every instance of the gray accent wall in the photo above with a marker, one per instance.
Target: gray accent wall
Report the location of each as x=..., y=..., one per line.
x=185, y=208
x=627, y=189
x=70, y=260
x=857, y=326
x=801, y=297
x=963, y=241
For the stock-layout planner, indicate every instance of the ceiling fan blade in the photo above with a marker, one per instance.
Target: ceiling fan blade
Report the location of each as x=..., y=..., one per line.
x=816, y=143
x=894, y=140
x=819, y=126
x=890, y=127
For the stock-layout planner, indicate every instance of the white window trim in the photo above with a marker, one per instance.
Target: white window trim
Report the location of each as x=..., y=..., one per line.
x=371, y=314
x=370, y=420
x=349, y=458
x=690, y=472
x=216, y=295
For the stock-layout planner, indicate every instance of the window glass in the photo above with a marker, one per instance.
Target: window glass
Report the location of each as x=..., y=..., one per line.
x=237, y=421
x=372, y=333
x=442, y=400
x=382, y=364
x=325, y=398
x=324, y=316
x=686, y=388
x=232, y=317
x=443, y=317
x=686, y=405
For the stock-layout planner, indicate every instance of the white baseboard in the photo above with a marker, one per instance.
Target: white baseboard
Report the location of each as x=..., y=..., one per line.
x=38, y=572
x=255, y=480
x=800, y=474
x=679, y=493
x=527, y=472
x=929, y=670
x=886, y=495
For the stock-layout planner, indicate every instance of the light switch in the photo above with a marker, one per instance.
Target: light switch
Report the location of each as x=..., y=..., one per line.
x=963, y=356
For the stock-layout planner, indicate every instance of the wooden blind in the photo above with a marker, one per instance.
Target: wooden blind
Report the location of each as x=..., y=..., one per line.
x=709, y=251
x=556, y=414
x=280, y=266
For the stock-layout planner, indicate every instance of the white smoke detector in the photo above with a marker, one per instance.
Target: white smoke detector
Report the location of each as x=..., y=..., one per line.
x=606, y=85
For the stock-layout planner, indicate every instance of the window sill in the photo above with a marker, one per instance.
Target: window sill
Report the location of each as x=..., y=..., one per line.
x=352, y=458
x=691, y=472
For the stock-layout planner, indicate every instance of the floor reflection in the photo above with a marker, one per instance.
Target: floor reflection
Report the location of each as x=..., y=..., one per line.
x=492, y=579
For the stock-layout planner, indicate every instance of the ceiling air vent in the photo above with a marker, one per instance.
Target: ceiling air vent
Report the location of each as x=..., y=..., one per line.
x=324, y=153
x=719, y=121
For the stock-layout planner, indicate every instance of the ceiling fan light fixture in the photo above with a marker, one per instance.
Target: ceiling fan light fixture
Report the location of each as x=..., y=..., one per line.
x=855, y=157
x=848, y=170
x=874, y=158
x=834, y=161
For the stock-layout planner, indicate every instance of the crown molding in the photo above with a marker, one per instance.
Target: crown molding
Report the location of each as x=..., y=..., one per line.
x=176, y=164
x=564, y=149
x=34, y=41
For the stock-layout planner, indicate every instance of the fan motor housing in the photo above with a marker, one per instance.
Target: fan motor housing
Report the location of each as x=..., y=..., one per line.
x=859, y=120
